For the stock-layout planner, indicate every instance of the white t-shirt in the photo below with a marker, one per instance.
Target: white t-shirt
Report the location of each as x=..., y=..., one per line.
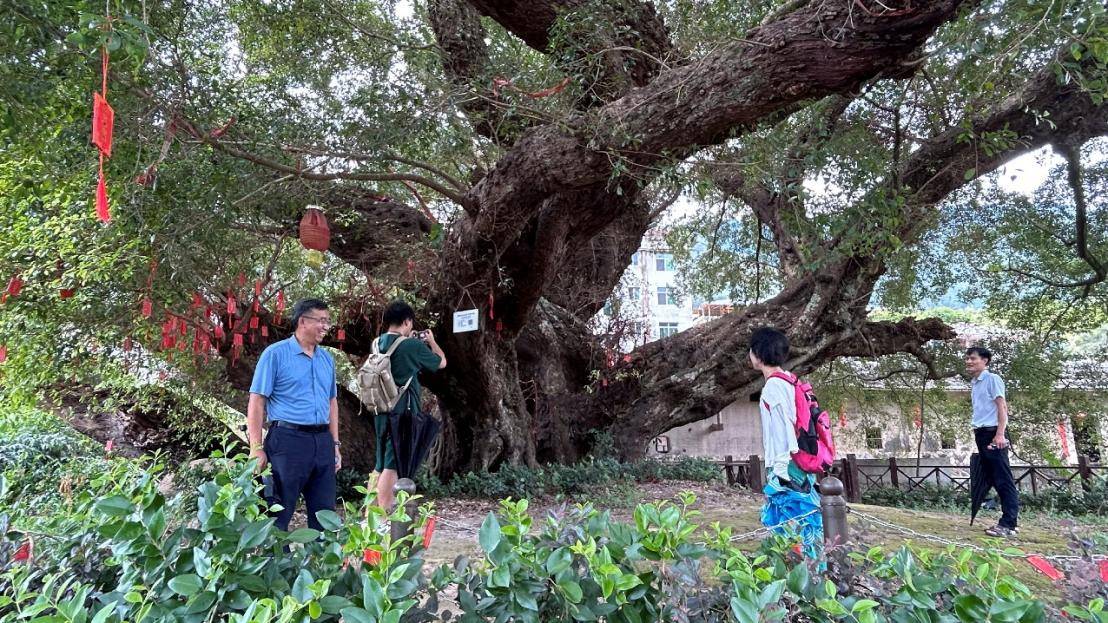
x=777, y=405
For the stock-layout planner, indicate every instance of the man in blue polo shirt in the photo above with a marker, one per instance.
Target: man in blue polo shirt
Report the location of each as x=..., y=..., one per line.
x=990, y=426
x=294, y=390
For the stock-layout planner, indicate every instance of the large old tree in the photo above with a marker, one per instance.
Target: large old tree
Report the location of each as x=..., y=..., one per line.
x=510, y=156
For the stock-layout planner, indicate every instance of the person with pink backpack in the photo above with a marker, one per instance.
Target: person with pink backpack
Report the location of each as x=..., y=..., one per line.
x=796, y=442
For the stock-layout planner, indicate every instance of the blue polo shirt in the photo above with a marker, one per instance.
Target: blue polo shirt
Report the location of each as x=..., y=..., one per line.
x=298, y=387
x=984, y=390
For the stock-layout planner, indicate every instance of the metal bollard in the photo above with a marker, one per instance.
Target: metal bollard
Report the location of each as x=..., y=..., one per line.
x=401, y=529
x=833, y=508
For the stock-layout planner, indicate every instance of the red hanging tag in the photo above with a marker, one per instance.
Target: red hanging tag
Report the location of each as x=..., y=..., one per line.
x=219, y=334
x=253, y=322
x=67, y=293
x=147, y=308
x=231, y=307
x=15, y=285
x=428, y=531
x=23, y=554
x=253, y=337
x=265, y=330
x=280, y=301
x=242, y=279
x=492, y=316
x=103, y=212
x=197, y=302
x=111, y=443
x=103, y=120
x=258, y=288
x=257, y=306
x=128, y=344
x=371, y=557
x=3, y=353
x=499, y=326
x=182, y=328
x=340, y=335
x=1044, y=567
x=237, y=340
x=1104, y=571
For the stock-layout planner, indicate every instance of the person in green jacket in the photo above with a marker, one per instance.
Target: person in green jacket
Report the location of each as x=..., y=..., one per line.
x=411, y=357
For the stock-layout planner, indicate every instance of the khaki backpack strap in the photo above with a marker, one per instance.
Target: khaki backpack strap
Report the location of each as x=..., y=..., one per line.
x=399, y=339
x=375, y=348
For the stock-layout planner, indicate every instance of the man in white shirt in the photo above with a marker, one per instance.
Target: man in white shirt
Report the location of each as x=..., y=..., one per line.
x=790, y=491
x=990, y=426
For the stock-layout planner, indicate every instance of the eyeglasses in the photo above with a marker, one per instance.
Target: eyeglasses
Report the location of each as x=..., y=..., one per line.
x=324, y=322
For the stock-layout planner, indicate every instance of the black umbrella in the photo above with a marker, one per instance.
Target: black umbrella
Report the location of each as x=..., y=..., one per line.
x=980, y=483
x=412, y=434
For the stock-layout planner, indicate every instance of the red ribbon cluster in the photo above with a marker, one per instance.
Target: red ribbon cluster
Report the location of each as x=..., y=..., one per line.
x=103, y=120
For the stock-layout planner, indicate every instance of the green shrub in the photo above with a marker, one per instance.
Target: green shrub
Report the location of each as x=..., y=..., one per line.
x=590, y=476
x=127, y=553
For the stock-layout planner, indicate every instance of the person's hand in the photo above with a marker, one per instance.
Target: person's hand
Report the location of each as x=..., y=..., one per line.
x=999, y=442
x=258, y=453
x=429, y=336
x=338, y=460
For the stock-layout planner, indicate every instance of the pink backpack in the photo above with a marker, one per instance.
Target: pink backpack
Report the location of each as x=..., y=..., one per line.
x=816, y=452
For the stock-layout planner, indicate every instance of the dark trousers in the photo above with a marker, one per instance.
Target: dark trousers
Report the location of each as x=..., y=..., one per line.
x=302, y=463
x=998, y=474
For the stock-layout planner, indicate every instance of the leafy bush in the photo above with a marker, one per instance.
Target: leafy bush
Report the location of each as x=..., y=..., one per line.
x=126, y=553
x=1073, y=501
x=586, y=477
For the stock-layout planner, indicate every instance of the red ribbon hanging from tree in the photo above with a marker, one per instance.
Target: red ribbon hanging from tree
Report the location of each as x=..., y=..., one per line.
x=103, y=120
x=429, y=531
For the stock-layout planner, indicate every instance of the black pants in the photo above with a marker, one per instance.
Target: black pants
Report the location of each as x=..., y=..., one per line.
x=302, y=463
x=998, y=474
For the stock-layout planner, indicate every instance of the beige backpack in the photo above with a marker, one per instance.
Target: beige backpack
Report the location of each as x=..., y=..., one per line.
x=376, y=387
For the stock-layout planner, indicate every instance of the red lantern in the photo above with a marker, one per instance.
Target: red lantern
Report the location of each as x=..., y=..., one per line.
x=315, y=234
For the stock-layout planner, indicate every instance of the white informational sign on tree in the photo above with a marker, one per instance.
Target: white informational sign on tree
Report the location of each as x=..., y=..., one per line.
x=466, y=320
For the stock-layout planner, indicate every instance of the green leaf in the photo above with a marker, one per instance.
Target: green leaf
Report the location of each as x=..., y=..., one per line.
x=969, y=174
x=863, y=605
x=185, y=585
x=771, y=594
x=201, y=603
x=970, y=608
x=798, y=579
x=103, y=614
x=490, y=534
x=501, y=577
x=356, y=615
x=559, y=560
x=744, y=611
x=114, y=506
x=254, y=534
x=301, y=588
x=329, y=520
x=303, y=535
x=315, y=610
x=1004, y=611
x=572, y=590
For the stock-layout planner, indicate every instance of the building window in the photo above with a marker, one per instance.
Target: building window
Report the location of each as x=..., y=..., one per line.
x=635, y=258
x=666, y=329
x=873, y=438
x=947, y=441
x=635, y=294
x=663, y=263
x=665, y=297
